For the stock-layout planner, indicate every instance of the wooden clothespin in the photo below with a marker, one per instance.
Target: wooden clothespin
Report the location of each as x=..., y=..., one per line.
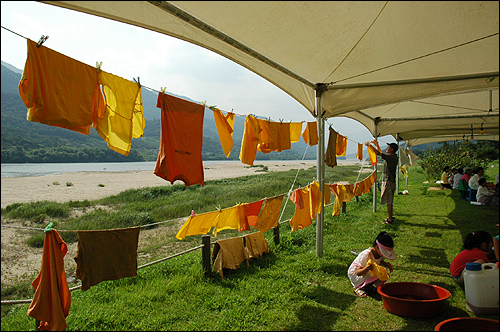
x=98, y=65
x=163, y=90
x=138, y=81
x=42, y=40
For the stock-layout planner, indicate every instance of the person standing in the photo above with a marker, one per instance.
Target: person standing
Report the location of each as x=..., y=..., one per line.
x=388, y=178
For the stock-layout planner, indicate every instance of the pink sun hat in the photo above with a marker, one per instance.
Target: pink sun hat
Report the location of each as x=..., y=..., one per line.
x=387, y=252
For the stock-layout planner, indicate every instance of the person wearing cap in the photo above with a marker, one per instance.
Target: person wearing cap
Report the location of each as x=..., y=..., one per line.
x=369, y=267
x=388, y=178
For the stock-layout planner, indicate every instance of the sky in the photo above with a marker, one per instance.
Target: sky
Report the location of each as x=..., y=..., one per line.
x=159, y=60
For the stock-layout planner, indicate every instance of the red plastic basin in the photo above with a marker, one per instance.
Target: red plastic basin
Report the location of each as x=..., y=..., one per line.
x=467, y=324
x=413, y=299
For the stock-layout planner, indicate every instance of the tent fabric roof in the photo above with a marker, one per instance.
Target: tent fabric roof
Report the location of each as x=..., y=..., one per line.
x=390, y=65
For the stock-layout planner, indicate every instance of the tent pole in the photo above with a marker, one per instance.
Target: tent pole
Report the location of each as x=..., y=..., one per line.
x=399, y=164
x=376, y=179
x=320, y=173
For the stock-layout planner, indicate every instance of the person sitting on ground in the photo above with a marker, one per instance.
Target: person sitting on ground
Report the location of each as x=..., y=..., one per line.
x=477, y=247
x=444, y=178
x=467, y=175
x=368, y=268
x=485, y=195
x=452, y=176
x=456, y=178
x=474, y=180
x=463, y=184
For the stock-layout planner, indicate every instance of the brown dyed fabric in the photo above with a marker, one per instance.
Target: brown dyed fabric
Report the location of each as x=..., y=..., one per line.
x=181, y=140
x=106, y=255
x=268, y=217
x=52, y=299
x=255, y=244
x=331, y=150
x=228, y=254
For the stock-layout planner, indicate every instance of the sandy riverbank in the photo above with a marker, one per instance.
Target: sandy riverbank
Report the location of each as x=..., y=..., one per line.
x=94, y=185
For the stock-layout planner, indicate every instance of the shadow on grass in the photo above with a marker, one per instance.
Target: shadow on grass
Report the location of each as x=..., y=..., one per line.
x=430, y=256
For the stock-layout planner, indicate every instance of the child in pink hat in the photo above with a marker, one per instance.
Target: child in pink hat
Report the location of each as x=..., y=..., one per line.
x=365, y=271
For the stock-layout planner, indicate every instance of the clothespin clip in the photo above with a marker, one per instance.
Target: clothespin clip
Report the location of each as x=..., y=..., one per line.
x=163, y=90
x=482, y=130
x=49, y=227
x=138, y=81
x=42, y=40
x=193, y=214
x=98, y=65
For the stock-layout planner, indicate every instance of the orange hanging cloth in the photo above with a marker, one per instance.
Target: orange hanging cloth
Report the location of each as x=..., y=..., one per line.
x=269, y=216
x=372, y=155
x=253, y=211
x=225, y=126
x=58, y=90
x=52, y=299
x=341, y=145
x=310, y=134
x=179, y=157
x=359, y=153
x=250, y=140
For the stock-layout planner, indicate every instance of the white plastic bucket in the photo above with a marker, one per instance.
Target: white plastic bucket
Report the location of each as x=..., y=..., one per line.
x=481, y=288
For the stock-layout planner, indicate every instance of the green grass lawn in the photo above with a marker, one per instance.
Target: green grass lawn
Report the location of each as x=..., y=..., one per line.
x=290, y=288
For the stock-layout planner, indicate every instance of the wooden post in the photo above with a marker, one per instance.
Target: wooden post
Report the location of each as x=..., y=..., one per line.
x=205, y=254
x=344, y=205
x=276, y=234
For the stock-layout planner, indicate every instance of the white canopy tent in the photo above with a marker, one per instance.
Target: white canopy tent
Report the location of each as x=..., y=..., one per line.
x=389, y=65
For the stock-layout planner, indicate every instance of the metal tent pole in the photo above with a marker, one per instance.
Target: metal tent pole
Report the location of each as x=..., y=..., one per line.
x=320, y=173
x=399, y=164
x=375, y=184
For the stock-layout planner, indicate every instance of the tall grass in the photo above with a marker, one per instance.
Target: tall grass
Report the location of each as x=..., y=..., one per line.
x=290, y=288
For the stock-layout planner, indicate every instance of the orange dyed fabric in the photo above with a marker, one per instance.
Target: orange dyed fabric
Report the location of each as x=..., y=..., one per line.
x=344, y=194
x=372, y=155
x=52, y=299
x=308, y=204
x=310, y=134
x=250, y=140
x=179, y=157
x=269, y=216
x=359, y=153
x=253, y=211
x=225, y=126
x=341, y=145
x=58, y=90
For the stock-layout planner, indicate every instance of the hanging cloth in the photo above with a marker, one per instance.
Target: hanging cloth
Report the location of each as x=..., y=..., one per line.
x=198, y=224
x=310, y=134
x=372, y=155
x=341, y=145
x=411, y=156
x=255, y=244
x=58, y=90
x=359, y=153
x=225, y=126
x=269, y=216
x=295, y=131
x=344, y=194
x=228, y=254
x=253, y=211
x=138, y=122
x=363, y=187
x=181, y=140
x=331, y=150
x=232, y=218
x=250, y=140
x=120, y=106
x=52, y=299
x=106, y=255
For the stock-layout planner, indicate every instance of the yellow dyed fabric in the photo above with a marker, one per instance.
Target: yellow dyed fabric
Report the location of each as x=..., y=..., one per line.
x=232, y=218
x=341, y=145
x=372, y=155
x=228, y=254
x=295, y=131
x=269, y=216
x=344, y=194
x=113, y=120
x=198, y=224
x=378, y=270
x=310, y=134
x=255, y=244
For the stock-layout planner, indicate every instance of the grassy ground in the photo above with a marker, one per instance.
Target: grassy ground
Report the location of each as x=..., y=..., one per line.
x=289, y=288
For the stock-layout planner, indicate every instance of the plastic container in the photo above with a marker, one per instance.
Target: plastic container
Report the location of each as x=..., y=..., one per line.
x=467, y=324
x=481, y=288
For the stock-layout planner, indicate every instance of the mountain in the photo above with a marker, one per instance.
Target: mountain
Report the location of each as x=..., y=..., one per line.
x=24, y=141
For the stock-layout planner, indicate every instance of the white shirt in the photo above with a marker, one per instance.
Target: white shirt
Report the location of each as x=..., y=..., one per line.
x=474, y=182
x=456, y=180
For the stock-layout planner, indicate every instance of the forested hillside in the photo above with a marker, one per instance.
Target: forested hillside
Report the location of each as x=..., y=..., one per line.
x=24, y=141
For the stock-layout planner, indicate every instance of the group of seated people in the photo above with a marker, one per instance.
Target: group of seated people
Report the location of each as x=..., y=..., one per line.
x=485, y=192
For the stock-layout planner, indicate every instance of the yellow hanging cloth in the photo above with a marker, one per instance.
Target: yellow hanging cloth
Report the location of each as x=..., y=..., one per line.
x=225, y=126
x=341, y=145
x=359, y=153
x=250, y=140
x=295, y=131
x=372, y=155
x=198, y=224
